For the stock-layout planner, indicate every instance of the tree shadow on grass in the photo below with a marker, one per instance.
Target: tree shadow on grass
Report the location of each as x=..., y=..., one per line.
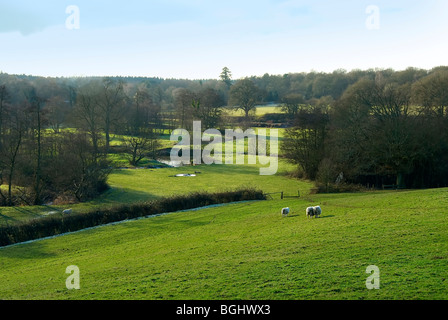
x=118, y=196
x=30, y=210
x=6, y=220
x=233, y=169
x=16, y=215
x=32, y=250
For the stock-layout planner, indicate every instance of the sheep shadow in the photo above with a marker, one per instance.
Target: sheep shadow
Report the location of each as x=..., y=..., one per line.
x=297, y=215
x=291, y=216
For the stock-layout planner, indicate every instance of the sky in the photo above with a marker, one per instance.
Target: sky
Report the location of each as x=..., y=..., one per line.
x=195, y=39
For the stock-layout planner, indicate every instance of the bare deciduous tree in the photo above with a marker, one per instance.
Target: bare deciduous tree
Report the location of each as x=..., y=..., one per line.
x=244, y=95
x=110, y=100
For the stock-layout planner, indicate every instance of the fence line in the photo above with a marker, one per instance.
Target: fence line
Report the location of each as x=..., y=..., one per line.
x=282, y=195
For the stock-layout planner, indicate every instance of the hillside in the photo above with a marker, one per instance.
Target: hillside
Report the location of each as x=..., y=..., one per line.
x=136, y=185
x=248, y=251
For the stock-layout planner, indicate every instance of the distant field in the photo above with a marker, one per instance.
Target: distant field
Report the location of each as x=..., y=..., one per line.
x=130, y=185
x=157, y=183
x=248, y=251
x=142, y=184
x=259, y=111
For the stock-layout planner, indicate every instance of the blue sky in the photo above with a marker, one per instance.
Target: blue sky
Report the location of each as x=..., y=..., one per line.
x=195, y=39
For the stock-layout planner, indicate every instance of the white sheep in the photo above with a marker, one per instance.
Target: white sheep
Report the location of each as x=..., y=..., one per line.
x=313, y=212
x=310, y=212
x=68, y=211
x=285, y=212
x=317, y=211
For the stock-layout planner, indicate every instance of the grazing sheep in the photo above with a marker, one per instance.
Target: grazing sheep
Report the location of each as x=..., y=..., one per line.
x=317, y=211
x=68, y=211
x=310, y=212
x=285, y=212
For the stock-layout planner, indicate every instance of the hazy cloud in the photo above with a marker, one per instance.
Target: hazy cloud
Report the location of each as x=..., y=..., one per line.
x=21, y=19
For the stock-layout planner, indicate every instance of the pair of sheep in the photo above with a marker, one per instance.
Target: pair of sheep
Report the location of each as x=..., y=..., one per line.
x=310, y=212
x=313, y=212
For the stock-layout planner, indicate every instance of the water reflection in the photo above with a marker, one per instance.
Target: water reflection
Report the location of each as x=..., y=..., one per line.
x=169, y=162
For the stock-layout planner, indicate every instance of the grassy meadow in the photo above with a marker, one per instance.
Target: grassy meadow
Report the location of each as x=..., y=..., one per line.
x=258, y=111
x=242, y=250
x=138, y=185
x=129, y=184
x=248, y=251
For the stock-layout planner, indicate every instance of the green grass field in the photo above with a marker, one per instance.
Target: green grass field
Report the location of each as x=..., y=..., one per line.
x=248, y=251
x=134, y=185
x=140, y=185
x=259, y=111
x=239, y=251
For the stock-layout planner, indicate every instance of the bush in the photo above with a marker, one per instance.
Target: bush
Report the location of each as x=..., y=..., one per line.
x=339, y=188
x=296, y=173
x=55, y=225
x=275, y=117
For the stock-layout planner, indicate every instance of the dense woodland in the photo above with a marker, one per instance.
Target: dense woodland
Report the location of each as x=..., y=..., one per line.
x=376, y=127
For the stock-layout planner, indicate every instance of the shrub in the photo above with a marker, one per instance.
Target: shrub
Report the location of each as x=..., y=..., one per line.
x=339, y=188
x=55, y=225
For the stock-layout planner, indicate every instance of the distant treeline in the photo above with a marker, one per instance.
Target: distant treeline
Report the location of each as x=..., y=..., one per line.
x=375, y=126
x=59, y=224
x=386, y=129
